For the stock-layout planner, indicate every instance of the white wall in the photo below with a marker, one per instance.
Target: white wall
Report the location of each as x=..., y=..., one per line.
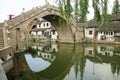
x=105, y=51
x=87, y=35
x=54, y=37
x=33, y=33
x=38, y=26
x=54, y=47
x=47, y=56
x=48, y=31
x=108, y=35
x=89, y=51
x=39, y=33
x=44, y=25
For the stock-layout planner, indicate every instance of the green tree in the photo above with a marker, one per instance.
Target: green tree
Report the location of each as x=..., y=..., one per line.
x=116, y=7
x=83, y=9
x=95, y=4
x=79, y=9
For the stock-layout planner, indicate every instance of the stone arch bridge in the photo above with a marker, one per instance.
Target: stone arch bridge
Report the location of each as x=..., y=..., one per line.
x=17, y=30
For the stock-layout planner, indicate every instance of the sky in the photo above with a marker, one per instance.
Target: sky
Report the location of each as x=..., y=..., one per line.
x=15, y=7
x=91, y=11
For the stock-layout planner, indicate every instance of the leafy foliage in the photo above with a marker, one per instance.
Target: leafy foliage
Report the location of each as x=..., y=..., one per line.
x=78, y=9
x=65, y=9
x=83, y=9
x=116, y=7
x=95, y=4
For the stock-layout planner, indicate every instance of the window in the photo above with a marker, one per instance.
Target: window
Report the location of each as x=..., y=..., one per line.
x=52, y=57
x=47, y=24
x=42, y=32
x=43, y=24
x=90, y=52
x=103, y=37
x=53, y=32
x=90, y=32
x=48, y=56
x=102, y=49
x=111, y=33
x=106, y=33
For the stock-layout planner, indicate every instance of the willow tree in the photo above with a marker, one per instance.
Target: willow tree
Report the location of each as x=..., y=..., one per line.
x=116, y=7
x=79, y=8
x=74, y=8
x=96, y=7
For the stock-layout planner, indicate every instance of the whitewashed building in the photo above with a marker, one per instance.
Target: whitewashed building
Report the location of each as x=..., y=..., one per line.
x=109, y=31
x=47, y=48
x=89, y=33
x=89, y=51
x=90, y=29
x=44, y=30
x=106, y=35
x=54, y=34
x=105, y=51
x=47, y=56
x=45, y=51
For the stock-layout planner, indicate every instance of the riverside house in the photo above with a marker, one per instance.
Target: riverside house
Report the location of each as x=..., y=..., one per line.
x=44, y=31
x=90, y=30
x=109, y=32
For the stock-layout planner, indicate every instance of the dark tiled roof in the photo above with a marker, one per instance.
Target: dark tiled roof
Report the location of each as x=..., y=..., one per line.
x=112, y=26
x=92, y=24
x=41, y=21
x=115, y=17
x=81, y=24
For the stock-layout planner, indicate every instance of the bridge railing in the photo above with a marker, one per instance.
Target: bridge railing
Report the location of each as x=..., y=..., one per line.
x=6, y=55
x=31, y=13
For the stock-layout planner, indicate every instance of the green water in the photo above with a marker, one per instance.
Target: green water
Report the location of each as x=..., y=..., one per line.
x=67, y=62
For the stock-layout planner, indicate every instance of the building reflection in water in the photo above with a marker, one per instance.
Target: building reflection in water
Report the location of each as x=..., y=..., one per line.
x=96, y=63
x=43, y=56
x=75, y=62
x=105, y=51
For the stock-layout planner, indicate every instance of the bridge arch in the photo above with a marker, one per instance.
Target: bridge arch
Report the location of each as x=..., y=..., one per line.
x=23, y=23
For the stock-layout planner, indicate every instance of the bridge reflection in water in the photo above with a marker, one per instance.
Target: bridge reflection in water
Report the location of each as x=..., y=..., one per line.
x=68, y=62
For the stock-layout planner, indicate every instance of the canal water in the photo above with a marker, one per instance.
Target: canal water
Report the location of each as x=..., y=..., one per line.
x=67, y=62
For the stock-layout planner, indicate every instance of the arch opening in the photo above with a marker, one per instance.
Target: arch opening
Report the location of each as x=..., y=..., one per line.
x=60, y=32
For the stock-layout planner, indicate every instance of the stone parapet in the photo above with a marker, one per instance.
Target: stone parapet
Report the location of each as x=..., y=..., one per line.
x=6, y=55
x=2, y=74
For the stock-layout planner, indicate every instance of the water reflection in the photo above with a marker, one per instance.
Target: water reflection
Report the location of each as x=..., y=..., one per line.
x=71, y=62
x=42, y=59
x=36, y=64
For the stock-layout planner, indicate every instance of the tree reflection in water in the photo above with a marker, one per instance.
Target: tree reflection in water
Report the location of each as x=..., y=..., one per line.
x=70, y=62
